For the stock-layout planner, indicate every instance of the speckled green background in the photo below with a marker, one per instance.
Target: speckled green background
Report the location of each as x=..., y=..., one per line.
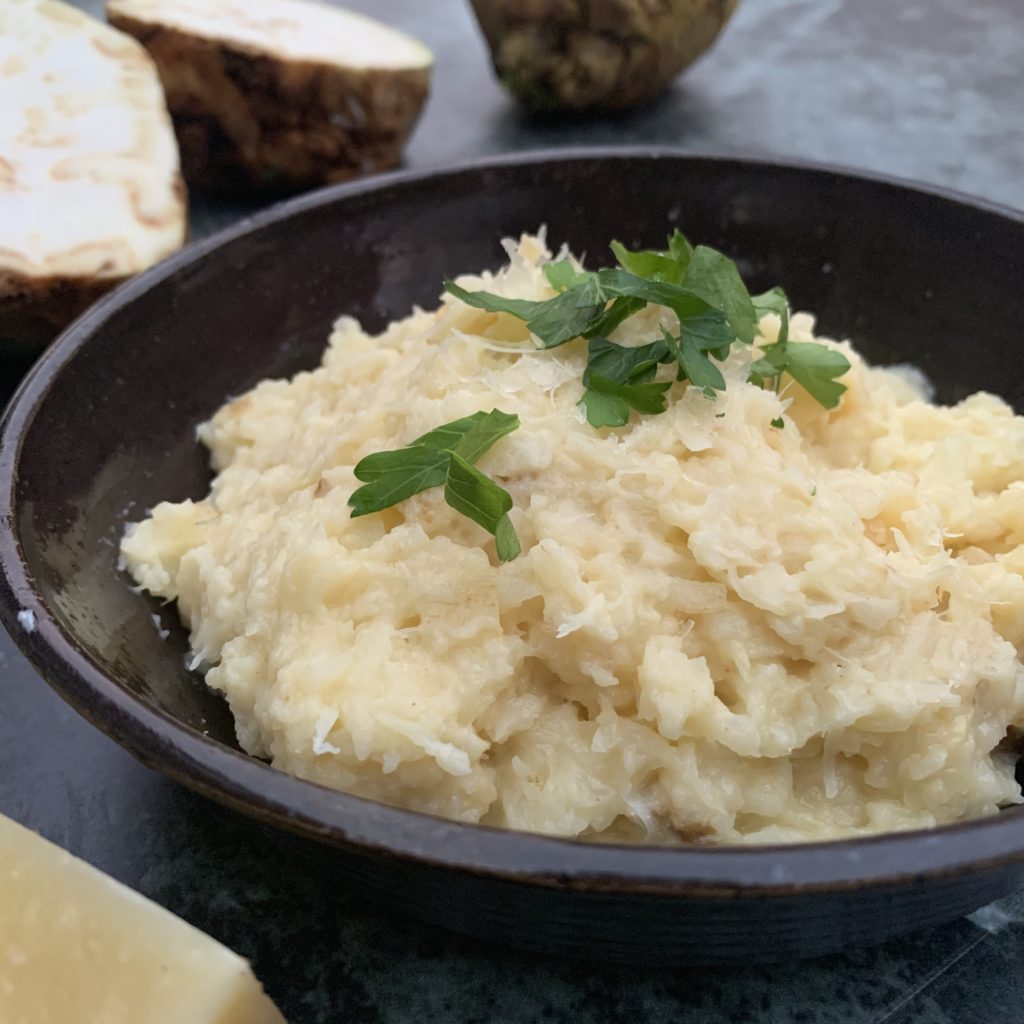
x=928, y=89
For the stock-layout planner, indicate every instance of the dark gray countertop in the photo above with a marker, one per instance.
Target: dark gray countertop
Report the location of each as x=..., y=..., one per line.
x=927, y=89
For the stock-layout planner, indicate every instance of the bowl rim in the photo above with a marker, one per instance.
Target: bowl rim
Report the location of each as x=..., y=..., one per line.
x=357, y=824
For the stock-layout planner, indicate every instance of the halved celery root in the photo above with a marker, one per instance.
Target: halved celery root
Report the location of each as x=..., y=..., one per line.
x=280, y=94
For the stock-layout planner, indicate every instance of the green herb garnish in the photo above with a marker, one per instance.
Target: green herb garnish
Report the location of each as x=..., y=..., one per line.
x=814, y=367
x=666, y=266
x=444, y=457
x=772, y=301
x=555, y=321
x=704, y=290
x=715, y=311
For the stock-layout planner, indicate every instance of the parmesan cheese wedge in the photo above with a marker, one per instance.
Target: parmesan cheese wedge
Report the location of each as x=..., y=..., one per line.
x=280, y=94
x=77, y=946
x=90, y=189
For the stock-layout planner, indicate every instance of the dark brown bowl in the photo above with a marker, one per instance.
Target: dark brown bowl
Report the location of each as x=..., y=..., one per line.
x=103, y=428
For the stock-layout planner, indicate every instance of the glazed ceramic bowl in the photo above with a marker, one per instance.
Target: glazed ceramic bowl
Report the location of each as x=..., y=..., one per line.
x=104, y=427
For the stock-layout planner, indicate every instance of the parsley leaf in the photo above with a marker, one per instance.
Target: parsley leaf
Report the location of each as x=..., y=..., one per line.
x=663, y=266
x=621, y=309
x=815, y=368
x=604, y=410
x=714, y=277
x=679, y=248
x=524, y=309
x=648, y=398
x=621, y=363
x=767, y=369
x=479, y=498
x=608, y=403
x=391, y=477
x=568, y=315
x=681, y=301
x=694, y=365
x=471, y=436
x=506, y=539
x=562, y=275
x=619, y=378
x=708, y=332
x=444, y=456
x=772, y=301
x=554, y=321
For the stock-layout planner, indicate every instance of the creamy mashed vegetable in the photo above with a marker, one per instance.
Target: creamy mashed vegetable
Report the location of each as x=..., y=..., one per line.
x=717, y=630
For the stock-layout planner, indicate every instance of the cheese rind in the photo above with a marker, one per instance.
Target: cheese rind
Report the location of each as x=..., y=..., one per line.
x=77, y=946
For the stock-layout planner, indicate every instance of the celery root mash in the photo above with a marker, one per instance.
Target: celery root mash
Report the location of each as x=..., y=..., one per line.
x=746, y=619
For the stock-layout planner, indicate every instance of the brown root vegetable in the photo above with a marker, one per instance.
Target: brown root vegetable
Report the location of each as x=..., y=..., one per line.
x=280, y=94
x=596, y=55
x=90, y=191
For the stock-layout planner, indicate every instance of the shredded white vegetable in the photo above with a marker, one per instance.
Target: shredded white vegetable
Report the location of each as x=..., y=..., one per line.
x=718, y=630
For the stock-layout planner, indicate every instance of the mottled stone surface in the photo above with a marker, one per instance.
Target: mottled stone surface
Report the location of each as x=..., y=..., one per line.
x=930, y=89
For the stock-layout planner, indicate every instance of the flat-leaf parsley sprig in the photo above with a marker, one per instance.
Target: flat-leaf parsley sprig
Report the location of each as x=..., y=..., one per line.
x=814, y=367
x=444, y=457
x=714, y=309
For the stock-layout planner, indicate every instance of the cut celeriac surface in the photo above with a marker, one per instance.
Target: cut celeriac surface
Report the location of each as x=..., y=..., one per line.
x=280, y=94
x=90, y=191
x=76, y=946
x=749, y=618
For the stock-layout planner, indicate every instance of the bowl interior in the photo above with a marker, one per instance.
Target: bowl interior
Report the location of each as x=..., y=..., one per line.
x=909, y=276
